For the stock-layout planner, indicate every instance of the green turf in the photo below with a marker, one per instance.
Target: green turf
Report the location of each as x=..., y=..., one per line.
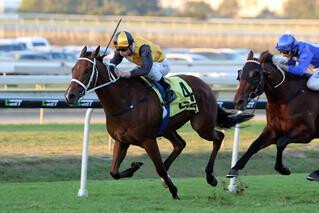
x=257, y=194
x=52, y=152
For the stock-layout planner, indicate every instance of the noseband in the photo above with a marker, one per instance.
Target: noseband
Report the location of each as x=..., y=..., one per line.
x=95, y=72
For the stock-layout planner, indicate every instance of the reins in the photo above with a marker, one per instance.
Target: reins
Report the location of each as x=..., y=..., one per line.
x=112, y=79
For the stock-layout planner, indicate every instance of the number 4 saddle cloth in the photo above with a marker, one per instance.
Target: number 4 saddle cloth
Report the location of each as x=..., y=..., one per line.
x=185, y=99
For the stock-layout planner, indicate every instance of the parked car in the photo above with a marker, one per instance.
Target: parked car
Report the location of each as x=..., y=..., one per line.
x=223, y=54
x=35, y=43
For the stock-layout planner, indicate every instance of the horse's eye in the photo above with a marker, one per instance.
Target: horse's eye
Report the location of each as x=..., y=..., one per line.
x=87, y=71
x=252, y=74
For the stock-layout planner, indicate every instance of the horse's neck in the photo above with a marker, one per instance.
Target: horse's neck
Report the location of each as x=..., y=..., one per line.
x=114, y=96
x=290, y=88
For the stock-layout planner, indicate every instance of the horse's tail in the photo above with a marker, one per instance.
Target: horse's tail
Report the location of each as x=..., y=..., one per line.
x=229, y=119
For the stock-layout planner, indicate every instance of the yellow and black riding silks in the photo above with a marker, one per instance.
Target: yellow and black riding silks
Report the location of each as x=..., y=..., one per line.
x=157, y=54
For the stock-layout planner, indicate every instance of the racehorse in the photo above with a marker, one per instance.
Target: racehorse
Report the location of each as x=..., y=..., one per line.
x=292, y=109
x=133, y=115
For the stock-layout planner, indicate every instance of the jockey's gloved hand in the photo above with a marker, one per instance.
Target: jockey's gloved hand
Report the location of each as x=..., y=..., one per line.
x=123, y=74
x=280, y=62
x=277, y=60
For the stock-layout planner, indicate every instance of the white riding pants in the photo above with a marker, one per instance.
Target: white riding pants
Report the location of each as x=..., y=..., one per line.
x=158, y=70
x=313, y=81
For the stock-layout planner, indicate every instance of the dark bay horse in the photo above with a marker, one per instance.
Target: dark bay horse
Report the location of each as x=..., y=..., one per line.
x=292, y=110
x=133, y=115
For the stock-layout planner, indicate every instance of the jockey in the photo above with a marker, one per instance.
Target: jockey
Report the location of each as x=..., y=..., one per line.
x=148, y=57
x=303, y=57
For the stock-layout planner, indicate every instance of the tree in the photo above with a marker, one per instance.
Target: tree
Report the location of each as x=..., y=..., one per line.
x=94, y=7
x=301, y=9
x=266, y=13
x=200, y=10
x=229, y=8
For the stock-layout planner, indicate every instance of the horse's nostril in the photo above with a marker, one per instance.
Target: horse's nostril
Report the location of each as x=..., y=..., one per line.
x=239, y=105
x=70, y=98
x=240, y=102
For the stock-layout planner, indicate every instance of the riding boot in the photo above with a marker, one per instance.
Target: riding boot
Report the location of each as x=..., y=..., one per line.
x=170, y=94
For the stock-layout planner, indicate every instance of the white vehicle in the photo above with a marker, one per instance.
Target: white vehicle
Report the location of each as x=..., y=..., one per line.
x=35, y=43
x=222, y=54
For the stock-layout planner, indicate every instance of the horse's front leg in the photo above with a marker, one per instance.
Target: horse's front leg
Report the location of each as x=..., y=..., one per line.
x=119, y=153
x=266, y=138
x=153, y=152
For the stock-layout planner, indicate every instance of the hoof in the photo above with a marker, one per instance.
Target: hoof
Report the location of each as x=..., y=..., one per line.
x=314, y=176
x=232, y=173
x=283, y=170
x=211, y=180
x=176, y=197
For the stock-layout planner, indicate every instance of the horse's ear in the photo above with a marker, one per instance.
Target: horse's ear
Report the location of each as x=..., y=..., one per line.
x=95, y=53
x=263, y=56
x=250, y=55
x=83, y=51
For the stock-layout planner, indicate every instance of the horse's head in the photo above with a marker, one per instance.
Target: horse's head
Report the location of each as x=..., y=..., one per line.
x=85, y=75
x=254, y=78
x=251, y=82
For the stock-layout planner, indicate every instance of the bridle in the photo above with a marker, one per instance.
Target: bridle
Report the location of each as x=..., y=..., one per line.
x=113, y=78
x=261, y=82
x=260, y=86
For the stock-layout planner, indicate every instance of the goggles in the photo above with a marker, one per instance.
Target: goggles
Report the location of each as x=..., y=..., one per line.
x=286, y=52
x=122, y=49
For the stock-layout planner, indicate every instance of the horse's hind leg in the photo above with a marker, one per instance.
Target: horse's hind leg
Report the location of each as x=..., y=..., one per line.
x=279, y=166
x=204, y=125
x=152, y=150
x=119, y=154
x=218, y=137
x=178, y=144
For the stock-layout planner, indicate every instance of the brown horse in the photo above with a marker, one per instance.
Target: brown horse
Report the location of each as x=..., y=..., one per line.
x=292, y=109
x=133, y=115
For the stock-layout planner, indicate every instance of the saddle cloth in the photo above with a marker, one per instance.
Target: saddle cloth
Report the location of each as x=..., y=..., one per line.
x=185, y=99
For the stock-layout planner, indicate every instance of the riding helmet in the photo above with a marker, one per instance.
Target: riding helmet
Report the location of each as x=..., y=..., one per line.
x=286, y=42
x=123, y=40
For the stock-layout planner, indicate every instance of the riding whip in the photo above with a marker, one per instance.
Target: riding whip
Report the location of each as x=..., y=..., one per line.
x=118, y=23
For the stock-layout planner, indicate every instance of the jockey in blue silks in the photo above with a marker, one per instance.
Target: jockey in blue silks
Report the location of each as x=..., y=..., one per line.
x=303, y=57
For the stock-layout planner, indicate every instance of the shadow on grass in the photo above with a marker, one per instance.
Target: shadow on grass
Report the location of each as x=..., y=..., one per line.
x=65, y=168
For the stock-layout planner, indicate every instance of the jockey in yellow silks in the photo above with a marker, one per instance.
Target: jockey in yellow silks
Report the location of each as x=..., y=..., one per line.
x=148, y=57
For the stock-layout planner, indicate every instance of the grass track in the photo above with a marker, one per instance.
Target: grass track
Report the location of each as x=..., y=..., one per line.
x=261, y=194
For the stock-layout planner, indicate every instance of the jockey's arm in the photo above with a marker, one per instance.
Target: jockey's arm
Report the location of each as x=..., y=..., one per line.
x=300, y=68
x=117, y=59
x=147, y=62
